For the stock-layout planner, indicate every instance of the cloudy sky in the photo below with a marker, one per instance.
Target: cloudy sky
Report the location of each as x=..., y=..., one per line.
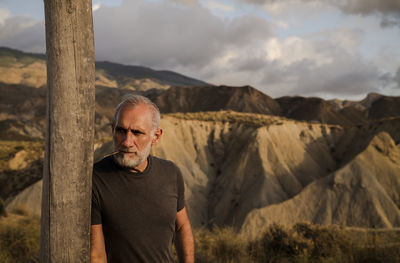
x=327, y=48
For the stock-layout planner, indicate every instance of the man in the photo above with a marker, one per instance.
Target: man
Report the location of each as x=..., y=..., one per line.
x=137, y=200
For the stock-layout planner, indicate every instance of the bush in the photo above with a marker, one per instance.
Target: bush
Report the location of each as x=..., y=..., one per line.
x=328, y=242
x=220, y=245
x=278, y=244
x=306, y=242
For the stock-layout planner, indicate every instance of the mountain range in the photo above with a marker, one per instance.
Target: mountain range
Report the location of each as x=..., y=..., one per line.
x=248, y=160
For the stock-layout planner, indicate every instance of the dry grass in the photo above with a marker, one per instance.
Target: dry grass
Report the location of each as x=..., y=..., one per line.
x=301, y=243
x=19, y=239
x=220, y=245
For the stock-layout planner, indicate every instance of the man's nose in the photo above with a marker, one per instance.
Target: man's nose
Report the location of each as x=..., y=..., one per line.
x=129, y=139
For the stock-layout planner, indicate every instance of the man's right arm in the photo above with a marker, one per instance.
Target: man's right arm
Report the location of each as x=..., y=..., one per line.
x=97, y=246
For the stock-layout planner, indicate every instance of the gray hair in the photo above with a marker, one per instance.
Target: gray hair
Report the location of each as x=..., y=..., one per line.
x=133, y=100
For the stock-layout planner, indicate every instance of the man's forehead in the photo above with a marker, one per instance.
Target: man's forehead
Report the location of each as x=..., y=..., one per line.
x=136, y=112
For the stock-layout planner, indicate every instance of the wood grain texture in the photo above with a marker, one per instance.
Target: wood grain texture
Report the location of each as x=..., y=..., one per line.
x=70, y=129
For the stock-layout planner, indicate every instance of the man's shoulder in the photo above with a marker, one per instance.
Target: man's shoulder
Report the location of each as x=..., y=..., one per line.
x=159, y=162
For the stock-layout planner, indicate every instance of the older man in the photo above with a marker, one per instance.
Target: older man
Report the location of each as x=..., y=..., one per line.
x=138, y=208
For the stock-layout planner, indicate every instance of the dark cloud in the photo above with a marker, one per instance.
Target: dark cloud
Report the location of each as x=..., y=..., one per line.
x=388, y=10
x=366, y=7
x=390, y=22
x=249, y=64
x=351, y=6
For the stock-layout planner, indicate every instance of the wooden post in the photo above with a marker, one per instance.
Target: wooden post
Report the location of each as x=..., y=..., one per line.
x=65, y=231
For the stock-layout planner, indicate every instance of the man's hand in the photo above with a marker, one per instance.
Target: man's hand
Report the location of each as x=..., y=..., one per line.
x=97, y=246
x=184, y=241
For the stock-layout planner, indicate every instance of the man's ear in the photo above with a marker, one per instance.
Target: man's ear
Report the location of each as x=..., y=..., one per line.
x=157, y=135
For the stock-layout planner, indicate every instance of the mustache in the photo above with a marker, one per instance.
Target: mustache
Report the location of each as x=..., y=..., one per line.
x=124, y=150
x=120, y=151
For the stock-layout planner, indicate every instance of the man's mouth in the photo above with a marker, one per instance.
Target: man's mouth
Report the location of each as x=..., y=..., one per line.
x=125, y=152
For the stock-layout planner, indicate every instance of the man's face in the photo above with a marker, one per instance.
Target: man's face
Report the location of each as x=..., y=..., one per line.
x=133, y=136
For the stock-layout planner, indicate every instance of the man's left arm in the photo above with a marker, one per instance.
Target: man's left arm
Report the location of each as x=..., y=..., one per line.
x=184, y=241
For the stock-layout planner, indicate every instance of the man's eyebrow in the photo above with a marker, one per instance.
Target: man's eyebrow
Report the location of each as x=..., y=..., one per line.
x=120, y=128
x=128, y=129
x=136, y=131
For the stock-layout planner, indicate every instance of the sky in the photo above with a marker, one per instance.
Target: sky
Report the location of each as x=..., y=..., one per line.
x=326, y=48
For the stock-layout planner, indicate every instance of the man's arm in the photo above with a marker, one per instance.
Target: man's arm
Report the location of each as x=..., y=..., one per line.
x=184, y=241
x=97, y=246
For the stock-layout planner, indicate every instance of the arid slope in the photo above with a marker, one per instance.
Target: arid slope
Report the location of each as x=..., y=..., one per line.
x=365, y=192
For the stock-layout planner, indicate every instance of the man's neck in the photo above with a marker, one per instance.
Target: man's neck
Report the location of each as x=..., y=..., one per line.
x=141, y=167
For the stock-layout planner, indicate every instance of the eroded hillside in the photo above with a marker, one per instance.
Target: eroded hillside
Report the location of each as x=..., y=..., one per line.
x=252, y=173
x=337, y=163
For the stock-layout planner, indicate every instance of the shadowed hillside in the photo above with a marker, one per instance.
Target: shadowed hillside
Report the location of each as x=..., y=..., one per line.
x=241, y=99
x=316, y=109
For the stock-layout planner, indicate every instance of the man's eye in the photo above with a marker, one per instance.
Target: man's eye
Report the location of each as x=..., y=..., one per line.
x=120, y=130
x=137, y=132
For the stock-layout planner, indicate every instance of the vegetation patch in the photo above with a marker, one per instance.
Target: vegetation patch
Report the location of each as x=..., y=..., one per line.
x=301, y=243
x=220, y=245
x=19, y=239
x=251, y=119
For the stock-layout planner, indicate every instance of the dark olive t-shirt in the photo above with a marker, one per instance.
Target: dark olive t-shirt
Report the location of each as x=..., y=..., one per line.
x=137, y=210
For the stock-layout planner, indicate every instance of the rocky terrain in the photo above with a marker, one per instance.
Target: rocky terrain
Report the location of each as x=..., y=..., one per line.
x=248, y=160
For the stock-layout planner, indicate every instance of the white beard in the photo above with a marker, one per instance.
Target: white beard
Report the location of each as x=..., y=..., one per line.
x=131, y=161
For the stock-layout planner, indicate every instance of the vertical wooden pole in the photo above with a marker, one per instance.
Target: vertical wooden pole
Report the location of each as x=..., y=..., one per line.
x=65, y=232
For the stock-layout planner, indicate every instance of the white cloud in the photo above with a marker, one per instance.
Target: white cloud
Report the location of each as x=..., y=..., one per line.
x=4, y=14
x=217, y=6
x=96, y=7
x=160, y=35
x=292, y=65
x=294, y=49
x=185, y=2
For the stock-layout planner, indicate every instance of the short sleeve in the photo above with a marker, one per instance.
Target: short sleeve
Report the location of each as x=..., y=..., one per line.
x=181, y=190
x=96, y=208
